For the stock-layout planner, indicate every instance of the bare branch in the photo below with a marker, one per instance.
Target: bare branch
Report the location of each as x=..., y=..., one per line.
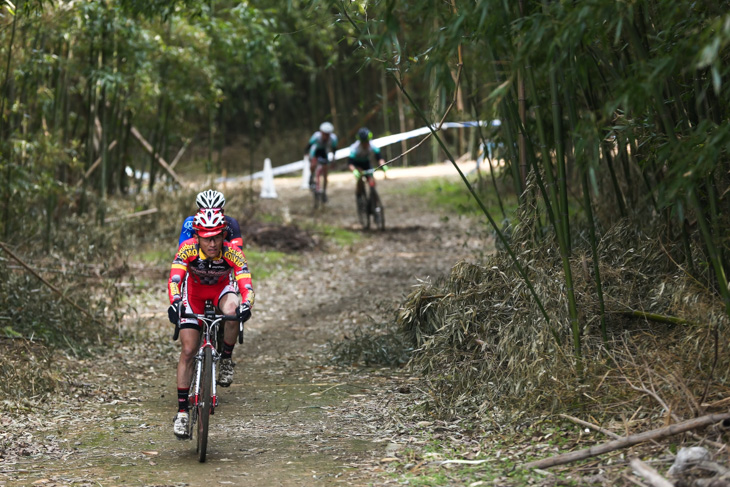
x=656, y=434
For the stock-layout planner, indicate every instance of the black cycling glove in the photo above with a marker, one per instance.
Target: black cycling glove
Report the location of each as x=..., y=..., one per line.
x=243, y=312
x=173, y=312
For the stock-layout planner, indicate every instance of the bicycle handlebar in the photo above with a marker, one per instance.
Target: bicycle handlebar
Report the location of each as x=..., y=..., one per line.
x=176, y=333
x=367, y=172
x=216, y=317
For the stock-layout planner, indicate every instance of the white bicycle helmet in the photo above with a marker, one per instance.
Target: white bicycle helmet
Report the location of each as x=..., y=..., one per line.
x=210, y=199
x=326, y=128
x=209, y=222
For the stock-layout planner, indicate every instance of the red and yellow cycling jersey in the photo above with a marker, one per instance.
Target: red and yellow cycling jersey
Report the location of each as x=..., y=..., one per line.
x=203, y=275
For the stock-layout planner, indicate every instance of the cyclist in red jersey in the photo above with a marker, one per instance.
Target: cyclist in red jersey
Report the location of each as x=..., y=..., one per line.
x=205, y=267
x=215, y=200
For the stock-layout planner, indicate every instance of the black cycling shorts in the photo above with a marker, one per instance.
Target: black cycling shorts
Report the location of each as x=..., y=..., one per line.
x=321, y=153
x=362, y=165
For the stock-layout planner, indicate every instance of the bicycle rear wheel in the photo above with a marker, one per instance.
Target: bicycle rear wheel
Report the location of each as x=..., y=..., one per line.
x=318, y=199
x=376, y=206
x=204, y=403
x=362, y=211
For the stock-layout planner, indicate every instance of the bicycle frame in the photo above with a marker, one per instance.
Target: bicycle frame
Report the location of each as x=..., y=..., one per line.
x=202, y=385
x=320, y=175
x=320, y=182
x=368, y=201
x=211, y=330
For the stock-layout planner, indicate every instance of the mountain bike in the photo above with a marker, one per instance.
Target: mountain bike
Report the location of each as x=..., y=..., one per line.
x=319, y=188
x=202, y=396
x=369, y=204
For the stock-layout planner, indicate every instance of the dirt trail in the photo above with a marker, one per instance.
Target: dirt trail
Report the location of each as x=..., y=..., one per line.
x=289, y=419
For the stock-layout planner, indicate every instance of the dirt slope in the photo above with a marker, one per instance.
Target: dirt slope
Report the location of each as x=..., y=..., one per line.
x=290, y=418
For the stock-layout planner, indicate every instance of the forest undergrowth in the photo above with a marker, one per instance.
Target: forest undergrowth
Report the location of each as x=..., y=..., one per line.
x=69, y=299
x=489, y=361
x=486, y=351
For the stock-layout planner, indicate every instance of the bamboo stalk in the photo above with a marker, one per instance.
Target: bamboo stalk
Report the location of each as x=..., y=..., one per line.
x=180, y=153
x=559, y=136
x=508, y=126
x=594, y=251
x=562, y=208
x=499, y=233
x=715, y=257
x=614, y=181
x=659, y=318
x=550, y=197
x=475, y=112
x=94, y=165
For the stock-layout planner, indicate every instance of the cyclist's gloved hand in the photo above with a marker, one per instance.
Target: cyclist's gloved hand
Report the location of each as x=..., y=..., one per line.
x=356, y=173
x=244, y=312
x=173, y=312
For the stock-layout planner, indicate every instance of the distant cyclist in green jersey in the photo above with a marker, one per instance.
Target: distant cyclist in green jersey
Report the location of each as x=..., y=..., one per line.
x=362, y=152
x=321, y=144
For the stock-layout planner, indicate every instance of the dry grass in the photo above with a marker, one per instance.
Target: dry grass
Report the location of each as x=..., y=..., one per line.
x=26, y=370
x=374, y=345
x=487, y=352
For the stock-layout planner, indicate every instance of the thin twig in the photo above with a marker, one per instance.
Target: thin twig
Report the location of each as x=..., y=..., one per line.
x=592, y=426
x=328, y=389
x=649, y=474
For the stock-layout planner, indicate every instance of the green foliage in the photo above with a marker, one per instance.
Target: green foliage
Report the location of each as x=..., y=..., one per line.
x=340, y=236
x=265, y=264
x=450, y=193
x=629, y=102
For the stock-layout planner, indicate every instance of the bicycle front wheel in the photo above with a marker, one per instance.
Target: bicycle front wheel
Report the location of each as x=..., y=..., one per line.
x=377, y=209
x=362, y=211
x=317, y=190
x=206, y=378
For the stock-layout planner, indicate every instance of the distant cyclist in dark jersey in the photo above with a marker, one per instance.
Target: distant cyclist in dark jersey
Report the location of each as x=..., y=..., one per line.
x=206, y=267
x=321, y=144
x=214, y=200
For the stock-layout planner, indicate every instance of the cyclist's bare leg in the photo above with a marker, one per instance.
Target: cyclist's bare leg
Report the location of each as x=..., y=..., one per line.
x=228, y=305
x=312, y=164
x=318, y=177
x=189, y=339
x=359, y=187
x=325, y=171
x=312, y=169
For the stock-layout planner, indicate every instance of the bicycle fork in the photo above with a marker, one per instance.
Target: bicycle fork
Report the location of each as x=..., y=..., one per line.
x=199, y=373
